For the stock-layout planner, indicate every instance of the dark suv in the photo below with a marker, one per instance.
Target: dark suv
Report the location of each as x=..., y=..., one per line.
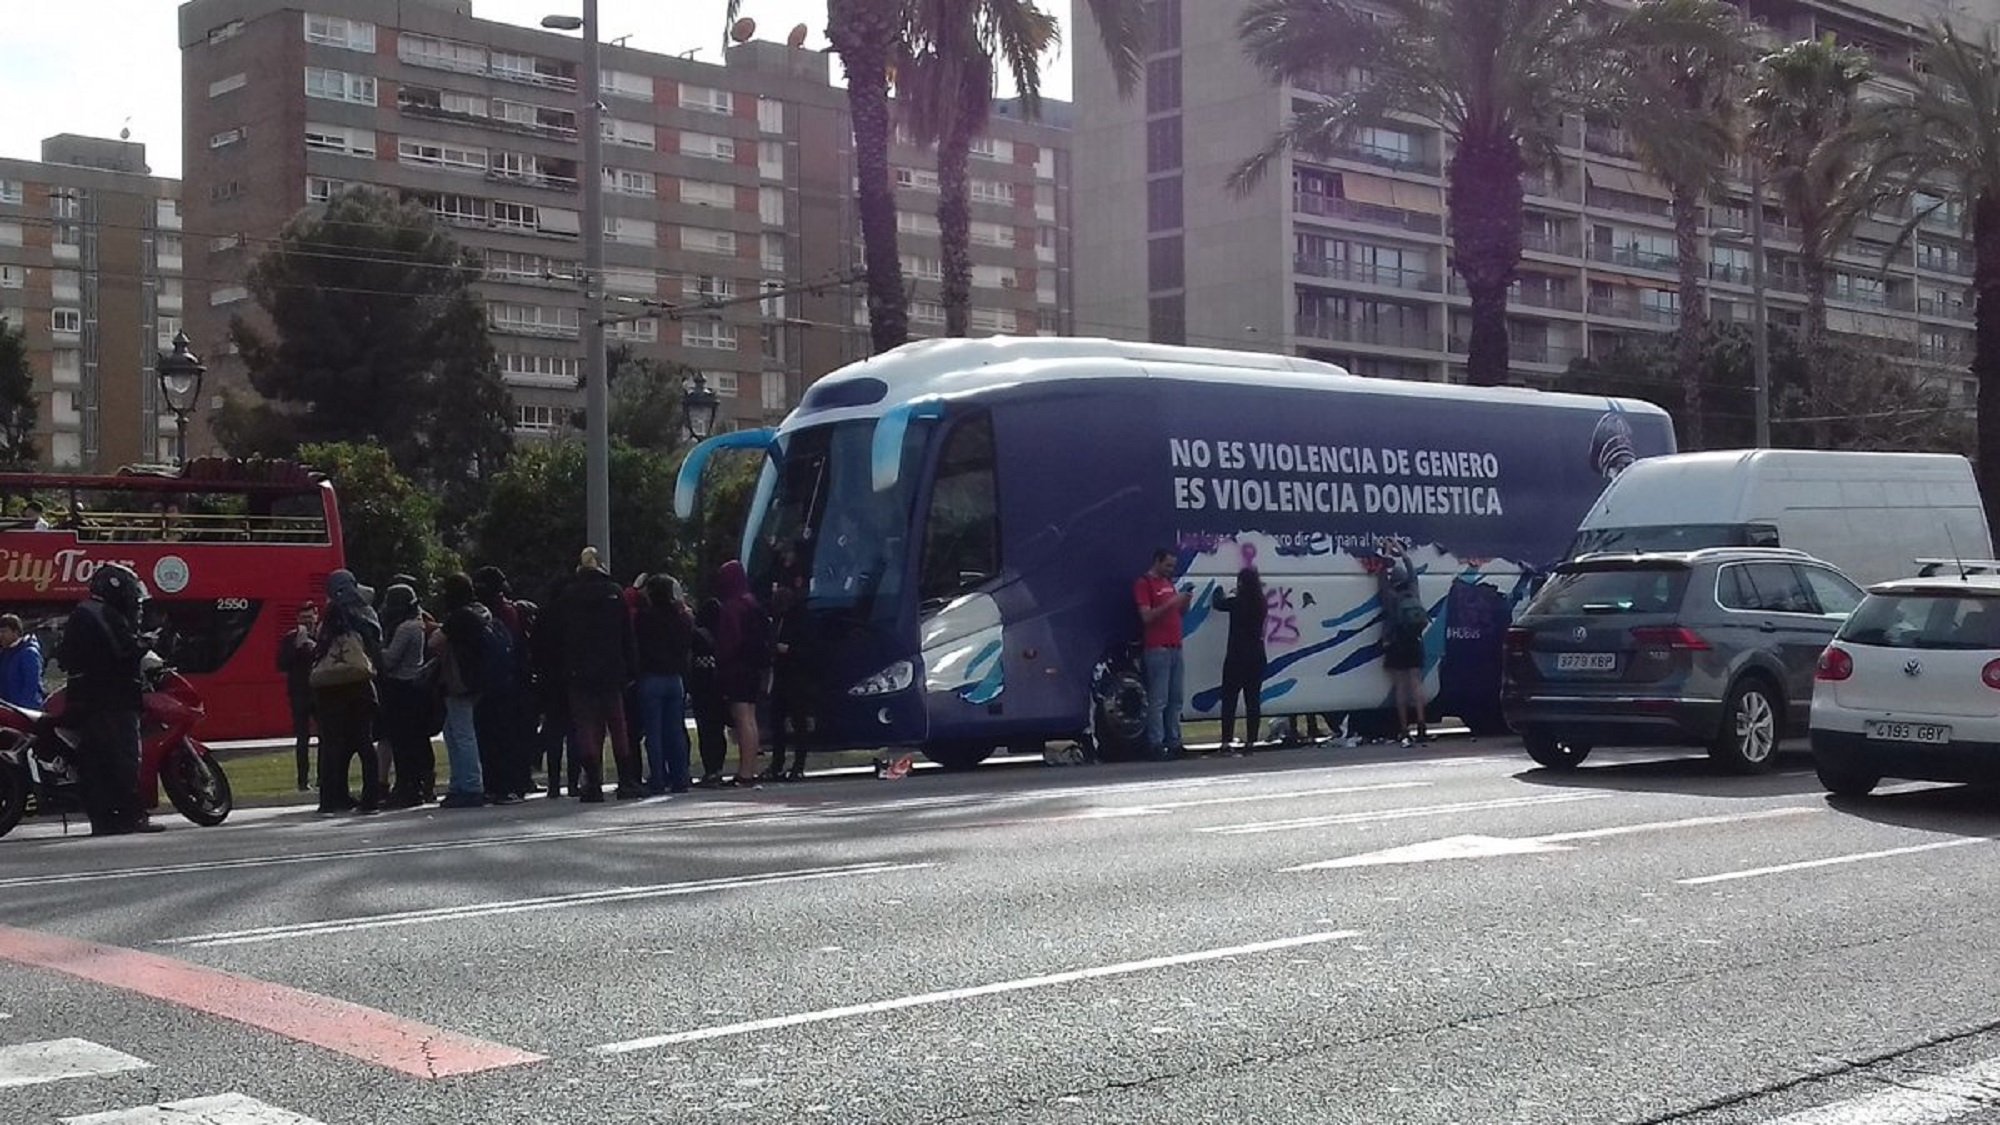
x=1712, y=648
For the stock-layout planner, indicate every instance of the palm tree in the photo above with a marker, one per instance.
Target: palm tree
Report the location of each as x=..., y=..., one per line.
x=1678, y=94
x=1804, y=123
x=1949, y=135
x=1496, y=76
x=945, y=83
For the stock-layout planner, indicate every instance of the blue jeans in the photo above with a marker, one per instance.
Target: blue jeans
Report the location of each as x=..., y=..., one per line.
x=663, y=721
x=461, y=746
x=1166, y=689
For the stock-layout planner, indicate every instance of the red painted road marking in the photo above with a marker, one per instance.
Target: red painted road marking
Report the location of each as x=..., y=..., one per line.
x=358, y=1032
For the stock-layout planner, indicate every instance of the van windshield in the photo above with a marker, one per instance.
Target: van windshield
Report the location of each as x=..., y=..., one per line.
x=1677, y=537
x=818, y=494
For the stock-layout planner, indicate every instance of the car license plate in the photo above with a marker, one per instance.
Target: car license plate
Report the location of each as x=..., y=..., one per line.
x=1928, y=733
x=1586, y=661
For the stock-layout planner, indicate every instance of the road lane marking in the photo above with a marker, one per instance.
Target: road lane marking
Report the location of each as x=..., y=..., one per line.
x=926, y=999
x=1119, y=812
x=1371, y=816
x=1832, y=861
x=1487, y=847
x=472, y=911
x=1929, y=1099
x=363, y=1033
x=31, y=1064
x=223, y=1109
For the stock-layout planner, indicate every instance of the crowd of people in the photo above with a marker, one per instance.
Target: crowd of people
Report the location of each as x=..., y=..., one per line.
x=514, y=686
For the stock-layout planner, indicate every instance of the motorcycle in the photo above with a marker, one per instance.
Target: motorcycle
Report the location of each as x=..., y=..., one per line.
x=38, y=755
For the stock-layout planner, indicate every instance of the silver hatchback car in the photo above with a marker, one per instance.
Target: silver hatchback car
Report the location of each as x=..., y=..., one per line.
x=1713, y=648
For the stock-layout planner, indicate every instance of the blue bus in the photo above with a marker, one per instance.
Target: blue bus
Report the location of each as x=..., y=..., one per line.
x=972, y=515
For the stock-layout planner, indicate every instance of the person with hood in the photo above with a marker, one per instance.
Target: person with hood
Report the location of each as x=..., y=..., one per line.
x=501, y=717
x=20, y=665
x=458, y=646
x=742, y=663
x=344, y=700
x=1404, y=623
x=406, y=698
x=600, y=657
x=665, y=632
x=101, y=651
x=1243, y=661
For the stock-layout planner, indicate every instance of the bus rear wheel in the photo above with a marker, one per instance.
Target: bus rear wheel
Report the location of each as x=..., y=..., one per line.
x=1120, y=715
x=955, y=756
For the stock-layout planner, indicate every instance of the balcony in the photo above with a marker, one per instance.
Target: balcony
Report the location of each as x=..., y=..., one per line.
x=1538, y=186
x=1957, y=355
x=1390, y=156
x=1954, y=265
x=1546, y=242
x=1365, y=332
x=1328, y=207
x=538, y=179
x=1945, y=309
x=1610, y=200
x=1535, y=298
x=1633, y=310
x=1728, y=274
x=1634, y=257
x=1526, y=351
x=1367, y=273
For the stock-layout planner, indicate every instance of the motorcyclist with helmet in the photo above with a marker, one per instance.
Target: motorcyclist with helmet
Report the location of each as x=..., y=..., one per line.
x=101, y=651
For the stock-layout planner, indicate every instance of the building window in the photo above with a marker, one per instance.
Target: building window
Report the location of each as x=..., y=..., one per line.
x=67, y=285
x=1047, y=322
x=539, y=370
x=223, y=33
x=1163, y=144
x=227, y=295
x=707, y=146
x=533, y=320
x=169, y=297
x=441, y=154
x=65, y=204
x=340, y=86
x=222, y=86
x=916, y=178
x=624, y=280
x=515, y=216
x=12, y=276
x=708, y=334
x=1163, y=84
x=67, y=366
x=645, y=330
x=771, y=206
x=225, y=191
x=771, y=160
x=631, y=134
x=624, y=181
x=322, y=189
x=167, y=214
x=10, y=234
x=992, y=191
x=335, y=31
x=774, y=252
x=10, y=191
x=770, y=115
x=625, y=84
x=926, y=312
x=66, y=321
x=225, y=138
x=559, y=221
x=340, y=139
x=702, y=193
x=709, y=241
x=707, y=99
x=636, y=232
x=993, y=234
x=538, y=418
x=509, y=265
x=708, y=287
x=994, y=149
x=916, y=222
x=167, y=251
x=923, y=268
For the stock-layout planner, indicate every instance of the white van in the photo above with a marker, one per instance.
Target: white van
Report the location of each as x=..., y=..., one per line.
x=1870, y=514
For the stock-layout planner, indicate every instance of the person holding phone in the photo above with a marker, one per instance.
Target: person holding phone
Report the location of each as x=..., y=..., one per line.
x=1161, y=608
x=296, y=652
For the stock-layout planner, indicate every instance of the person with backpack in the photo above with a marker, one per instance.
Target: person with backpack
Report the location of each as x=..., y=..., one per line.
x=1404, y=622
x=344, y=701
x=1243, y=662
x=500, y=716
x=458, y=648
x=600, y=656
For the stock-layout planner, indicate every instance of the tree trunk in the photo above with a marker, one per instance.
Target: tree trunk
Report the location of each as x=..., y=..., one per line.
x=1483, y=196
x=1986, y=344
x=954, y=215
x=1694, y=315
x=863, y=33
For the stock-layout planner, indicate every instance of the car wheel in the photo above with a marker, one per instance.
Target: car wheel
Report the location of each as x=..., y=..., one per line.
x=1748, y=740
x=1842, y=783
x=1121, y=715
x=1554, y=753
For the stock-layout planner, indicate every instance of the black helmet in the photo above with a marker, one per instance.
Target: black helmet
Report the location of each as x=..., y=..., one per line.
x=115, y=585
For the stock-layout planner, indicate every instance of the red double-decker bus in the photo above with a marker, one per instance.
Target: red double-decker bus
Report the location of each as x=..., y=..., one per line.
x=229, y=551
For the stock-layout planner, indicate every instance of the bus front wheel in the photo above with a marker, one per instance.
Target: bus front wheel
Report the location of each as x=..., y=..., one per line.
x=1120, y=719
x=955, y=756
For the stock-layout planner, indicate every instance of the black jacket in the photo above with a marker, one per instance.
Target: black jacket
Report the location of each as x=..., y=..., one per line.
x=295, y=659
x=1246, y=627
x=101, y=651
x=598, y=647
x=666, y=640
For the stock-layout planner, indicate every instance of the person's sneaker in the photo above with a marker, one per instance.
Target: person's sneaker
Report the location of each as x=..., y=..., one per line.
x=1407, y=743
x=590, y=796
x=463, y=801
x=506, y=799
x=630, y=792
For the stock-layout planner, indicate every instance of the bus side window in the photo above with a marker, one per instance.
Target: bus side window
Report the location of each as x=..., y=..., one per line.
x=962, y=534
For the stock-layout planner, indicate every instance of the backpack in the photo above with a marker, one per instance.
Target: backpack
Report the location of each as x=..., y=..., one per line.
x=496, y=657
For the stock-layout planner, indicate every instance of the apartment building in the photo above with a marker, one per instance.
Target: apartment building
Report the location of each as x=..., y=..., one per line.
x=1347, y=258
x=90, y=269
x=723, y=180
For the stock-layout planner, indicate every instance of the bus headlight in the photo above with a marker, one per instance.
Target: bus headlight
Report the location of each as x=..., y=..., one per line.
x=888, y=681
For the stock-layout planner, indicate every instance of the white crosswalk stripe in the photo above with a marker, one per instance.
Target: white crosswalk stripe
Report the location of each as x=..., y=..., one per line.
x=223, y=1109
x=53, y=1060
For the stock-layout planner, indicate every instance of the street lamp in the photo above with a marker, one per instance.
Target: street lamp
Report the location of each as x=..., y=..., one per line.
x=596, y=396
x=1760, y=325
x=180, y=375
x=699, y=406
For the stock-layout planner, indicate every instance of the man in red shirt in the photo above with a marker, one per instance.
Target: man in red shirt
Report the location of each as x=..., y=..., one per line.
x=1160, y=610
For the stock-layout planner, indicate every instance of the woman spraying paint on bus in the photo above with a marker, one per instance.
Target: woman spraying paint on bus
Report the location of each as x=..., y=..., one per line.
x=1243, y=661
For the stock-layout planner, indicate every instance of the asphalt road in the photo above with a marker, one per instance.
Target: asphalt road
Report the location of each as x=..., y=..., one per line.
x=1314, y=936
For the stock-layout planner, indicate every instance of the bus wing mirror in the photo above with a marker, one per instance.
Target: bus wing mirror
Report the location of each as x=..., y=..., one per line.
x=688, y=483
x=885, y=455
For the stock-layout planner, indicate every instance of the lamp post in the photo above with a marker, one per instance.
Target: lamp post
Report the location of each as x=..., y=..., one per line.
x=1760, y=325
x=180, y=375
x=699, y=406
x=596, y=395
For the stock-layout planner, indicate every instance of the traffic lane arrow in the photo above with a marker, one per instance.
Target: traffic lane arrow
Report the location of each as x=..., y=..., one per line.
x=1484, y=847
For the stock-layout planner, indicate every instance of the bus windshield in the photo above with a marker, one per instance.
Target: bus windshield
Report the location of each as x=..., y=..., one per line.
x=818, y=492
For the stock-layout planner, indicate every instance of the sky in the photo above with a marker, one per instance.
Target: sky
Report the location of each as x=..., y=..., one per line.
x=124, y=70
